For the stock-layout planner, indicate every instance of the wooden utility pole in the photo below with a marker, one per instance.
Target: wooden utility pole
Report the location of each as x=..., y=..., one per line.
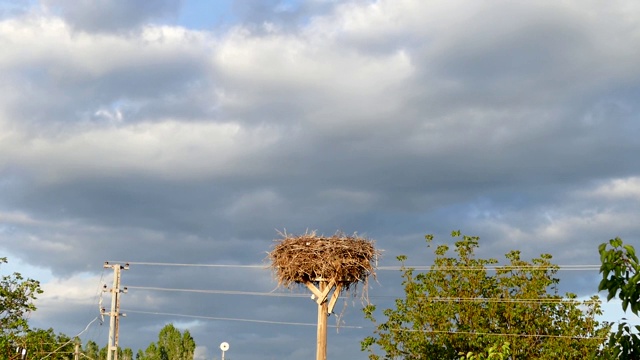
x=114, y=323
x=325, y=308
x=321, y=344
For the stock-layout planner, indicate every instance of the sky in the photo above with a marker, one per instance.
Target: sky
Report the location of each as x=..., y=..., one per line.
x=193, y=132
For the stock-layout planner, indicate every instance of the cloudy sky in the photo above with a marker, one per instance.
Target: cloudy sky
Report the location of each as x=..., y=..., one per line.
x=192, y=131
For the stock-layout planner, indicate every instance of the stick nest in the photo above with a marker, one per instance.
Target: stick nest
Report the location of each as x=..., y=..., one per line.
x=310, y=258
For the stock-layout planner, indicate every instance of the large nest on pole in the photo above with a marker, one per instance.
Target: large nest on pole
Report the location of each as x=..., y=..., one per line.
x=311, y=258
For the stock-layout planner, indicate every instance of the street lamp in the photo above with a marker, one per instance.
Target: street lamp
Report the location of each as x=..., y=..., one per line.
x=224, y=347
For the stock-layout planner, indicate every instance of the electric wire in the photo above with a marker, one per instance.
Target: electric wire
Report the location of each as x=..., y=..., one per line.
x=428, y=298
x=452, y=332
x=576, y=337
x=494, y=267
x=221, y=292
x=567, y=267
x=251, y=266
x=237, y=319
x=72, y=339
x=580, y=267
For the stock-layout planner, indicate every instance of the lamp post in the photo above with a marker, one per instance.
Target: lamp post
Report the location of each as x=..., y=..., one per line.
x=224, y=347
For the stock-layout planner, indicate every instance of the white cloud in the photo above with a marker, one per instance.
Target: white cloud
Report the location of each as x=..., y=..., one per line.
x=618, y=189
x=512, y=121
x=77, y=289
x=334, y=85
x=170, y=149
x=17, y=218
x=201, y=353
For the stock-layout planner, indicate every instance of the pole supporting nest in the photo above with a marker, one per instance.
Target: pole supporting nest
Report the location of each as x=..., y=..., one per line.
x=320, y=296
x=323, y=264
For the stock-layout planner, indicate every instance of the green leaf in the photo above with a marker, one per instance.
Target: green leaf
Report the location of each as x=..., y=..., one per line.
x=602, y=247
x=603, y=284
x=630, y=250
x=617, y=242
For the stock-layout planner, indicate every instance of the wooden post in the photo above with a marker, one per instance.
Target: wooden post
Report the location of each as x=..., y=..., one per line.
x=325, y=307
x=321, y=349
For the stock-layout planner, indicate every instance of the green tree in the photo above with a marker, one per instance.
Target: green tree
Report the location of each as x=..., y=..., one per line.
x=620, y=271
x=151, y=353
x=46, y=344
x=140, y=355
x=461, y=306
x=103, y=354
x=16, y=303
x=17, y=295
x=171, y=345
x=496, y=352
x=125, y=354
x=92, y=350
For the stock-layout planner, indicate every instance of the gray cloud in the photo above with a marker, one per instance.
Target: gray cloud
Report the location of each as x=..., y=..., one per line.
x=108, y=16
x=517, y=123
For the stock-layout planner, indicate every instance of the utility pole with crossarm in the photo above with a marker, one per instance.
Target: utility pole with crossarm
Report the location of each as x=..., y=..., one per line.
x=114, y=324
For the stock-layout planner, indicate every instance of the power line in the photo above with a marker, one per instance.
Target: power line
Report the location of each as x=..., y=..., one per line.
x=72, y=339
x=221, y=292
x=567, y=267
x=431, y=299
x=254, y=266
x=492, y=267
x=575, y=337
x=237, y=319
x=452, y=332
x=508, y=300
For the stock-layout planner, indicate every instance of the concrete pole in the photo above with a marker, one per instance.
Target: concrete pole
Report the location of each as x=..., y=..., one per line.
x=112, y=315
x=114, y=322
x=116, y=338
x=76, y=352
